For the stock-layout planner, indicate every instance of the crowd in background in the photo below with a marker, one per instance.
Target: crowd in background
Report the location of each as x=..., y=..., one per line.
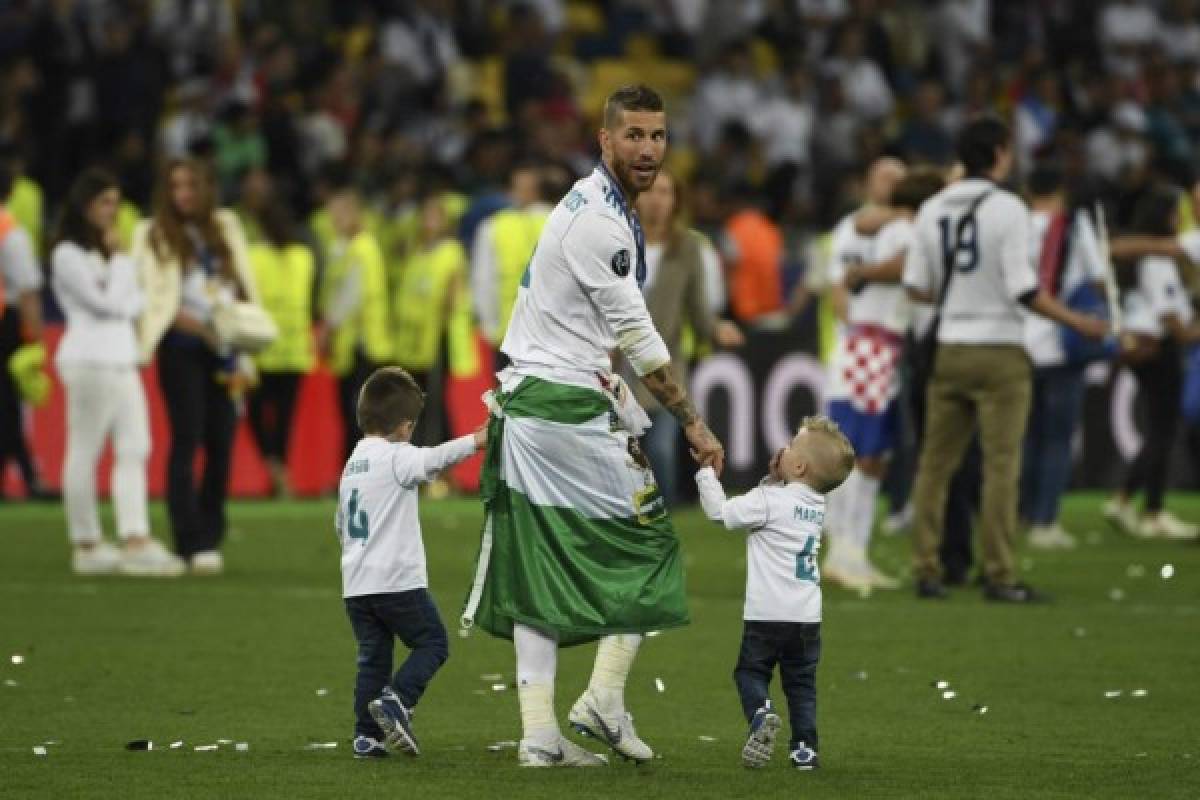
x=390, y=161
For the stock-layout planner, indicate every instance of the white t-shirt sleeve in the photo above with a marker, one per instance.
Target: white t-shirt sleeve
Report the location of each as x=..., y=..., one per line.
x=1164, y=291
x=1019, y=276
x=894, y=239
x=919, y=263
x=1087, y=249
x=18, y=266
x=747, y=511
x=412, y=465
x=591, y=247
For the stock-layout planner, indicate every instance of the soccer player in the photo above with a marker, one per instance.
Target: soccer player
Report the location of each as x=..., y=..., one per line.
x=782, y=614
x=970, y=259
x=865, y=381
x=384, y=582
x=577, y=543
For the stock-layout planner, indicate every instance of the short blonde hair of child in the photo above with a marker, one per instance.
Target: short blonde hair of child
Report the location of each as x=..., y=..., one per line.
x=828, y=451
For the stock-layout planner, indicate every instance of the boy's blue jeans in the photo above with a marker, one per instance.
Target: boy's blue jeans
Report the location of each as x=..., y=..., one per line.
x=378, y=620
x=1046, y=463
x=796, y=648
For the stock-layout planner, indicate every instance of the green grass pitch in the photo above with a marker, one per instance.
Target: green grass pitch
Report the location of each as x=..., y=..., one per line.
x=242, y=657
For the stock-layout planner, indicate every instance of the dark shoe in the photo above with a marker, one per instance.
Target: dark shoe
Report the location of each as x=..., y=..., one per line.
x=1014, y=593
x=931, y=590
x=804, y=757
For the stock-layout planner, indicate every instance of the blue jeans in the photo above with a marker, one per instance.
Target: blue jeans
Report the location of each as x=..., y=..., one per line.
x=378, y=620
x=662, y=449
x=1053, y=415
x=796, y=648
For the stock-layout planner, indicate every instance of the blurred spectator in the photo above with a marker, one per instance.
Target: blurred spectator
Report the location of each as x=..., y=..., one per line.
x=923, y=137
x=1118, y=146
x=240, y=147
x=284, y=271
x=1126, y=29
x=431, y=288
x=730, y=92
x=191, y=257
x=97, y=287
x=1037, y=118
x=20, y=331
x=1179, y=34
x=191, y=31
x=785, y=126
x=676, y=297
x=962, y=33
x=863, y=83
x=527, y=71
x=418, y=44
x=819, y=17
x=752, y=246
x=354, y=334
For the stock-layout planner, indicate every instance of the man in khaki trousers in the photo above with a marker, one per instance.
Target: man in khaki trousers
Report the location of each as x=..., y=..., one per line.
x=970, y=259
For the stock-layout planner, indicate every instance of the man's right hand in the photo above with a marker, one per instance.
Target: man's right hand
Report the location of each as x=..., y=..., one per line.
x=705, y=447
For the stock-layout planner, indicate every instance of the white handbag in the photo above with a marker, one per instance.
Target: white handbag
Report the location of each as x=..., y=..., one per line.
x=244, y=326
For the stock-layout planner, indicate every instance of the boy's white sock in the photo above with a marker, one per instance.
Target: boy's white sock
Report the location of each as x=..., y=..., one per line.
x=537, y=662
x=866, y=490
x=614, y=660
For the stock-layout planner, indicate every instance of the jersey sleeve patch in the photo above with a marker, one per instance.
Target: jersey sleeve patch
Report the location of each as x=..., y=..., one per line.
x=620, y=263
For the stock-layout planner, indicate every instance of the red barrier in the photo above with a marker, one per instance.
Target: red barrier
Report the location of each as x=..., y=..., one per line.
x=314, y=457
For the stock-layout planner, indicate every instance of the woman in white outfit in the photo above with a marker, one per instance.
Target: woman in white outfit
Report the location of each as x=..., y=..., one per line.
x=98, y=290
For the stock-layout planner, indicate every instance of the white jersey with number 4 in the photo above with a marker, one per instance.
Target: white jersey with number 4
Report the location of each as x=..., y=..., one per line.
x=783, y=523
x=992, y=269
x=579, y=299
x=376, y=519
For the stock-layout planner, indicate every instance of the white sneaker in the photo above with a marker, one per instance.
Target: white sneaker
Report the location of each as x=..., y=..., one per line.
x=99, y=559
x=760, y=741
x=1122, y=515
x=1165, y=525
x=152, y=560
x=614, y=728
x=1050, y=537
x=208, y=562
x=897, y=523
x=847, y=574
x=565, y=753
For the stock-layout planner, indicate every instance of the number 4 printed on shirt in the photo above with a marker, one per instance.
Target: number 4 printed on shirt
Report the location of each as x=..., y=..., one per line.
x=806, y=562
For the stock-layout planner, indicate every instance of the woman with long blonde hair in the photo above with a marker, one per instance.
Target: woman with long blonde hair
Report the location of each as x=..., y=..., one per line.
x=191, y=258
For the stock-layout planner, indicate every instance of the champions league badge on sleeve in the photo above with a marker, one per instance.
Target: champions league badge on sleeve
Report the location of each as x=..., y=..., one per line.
x=620, y=263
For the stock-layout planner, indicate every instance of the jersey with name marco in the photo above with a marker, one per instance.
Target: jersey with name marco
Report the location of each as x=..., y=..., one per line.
x=783, y=525
x=579, y=299
x=376, y=519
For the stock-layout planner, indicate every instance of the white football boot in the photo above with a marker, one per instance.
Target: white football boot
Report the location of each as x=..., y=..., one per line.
x=611, y=726
x=99, y=559
x=564, y=753
x=151, y=560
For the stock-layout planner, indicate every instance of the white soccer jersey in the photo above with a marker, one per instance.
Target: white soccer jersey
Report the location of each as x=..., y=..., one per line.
x=991, y=261
x=1159, y=293
x=847, y=248
x=1043, y=338
x=376, y=519
x=783, y=522
x=579, y=299
x=884, y=304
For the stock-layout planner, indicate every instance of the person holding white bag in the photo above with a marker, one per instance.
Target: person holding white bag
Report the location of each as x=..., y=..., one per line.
x=201, y=303
x=97, y=360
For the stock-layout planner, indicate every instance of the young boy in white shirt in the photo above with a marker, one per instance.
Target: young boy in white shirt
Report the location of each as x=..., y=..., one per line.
x=384, y=582
x=782, y=614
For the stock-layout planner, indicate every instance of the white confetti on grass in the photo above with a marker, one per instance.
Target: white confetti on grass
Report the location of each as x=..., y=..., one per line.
x=1112, y=693
x=1139, y=693
x=39, y=750
x=1167, y=572
x=658, y=684
x=708, y=738
x=17, y=659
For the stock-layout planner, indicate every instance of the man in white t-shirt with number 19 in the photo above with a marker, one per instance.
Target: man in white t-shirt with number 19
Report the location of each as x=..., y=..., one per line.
x=981, y=377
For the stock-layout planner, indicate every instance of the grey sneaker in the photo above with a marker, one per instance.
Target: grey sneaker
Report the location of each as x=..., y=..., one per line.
x=614, y=729
x=564, y=754
x=396, y=721
x=760, y=743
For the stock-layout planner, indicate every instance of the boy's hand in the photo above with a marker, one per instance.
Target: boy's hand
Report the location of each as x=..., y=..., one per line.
x=481, y=437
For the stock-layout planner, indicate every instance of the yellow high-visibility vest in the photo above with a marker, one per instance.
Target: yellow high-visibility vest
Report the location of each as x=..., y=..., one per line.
x=25, y=203
x=514, y=236
x=284, y=276
x=427, y=295
x=359, y=262
x=128, y=216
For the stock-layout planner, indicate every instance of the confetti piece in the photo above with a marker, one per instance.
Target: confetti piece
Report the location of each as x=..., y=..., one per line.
x=242, y=747
x=177, y=744
x=463, y=633
x=496, y=747
x=38, y=750
x=1139, y=693
x=17, y=658
x=949, y=695
x=320, y=746
x=491, y=676
x=978, y=708
x=139, y=744
x=1167, y=572
x=1111, y=693
x=10, y=682
x=224, y=741
x=478, y=691
x=1141, y=755
x=652, y=634
x=708, y=738
x=205, y=748
x=499, y=687
x=51, y=741
x=658, y=684
x=941, y=684
x=322, y=692
x=861, y=675
x=1135, y=571
x=1116, y=594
